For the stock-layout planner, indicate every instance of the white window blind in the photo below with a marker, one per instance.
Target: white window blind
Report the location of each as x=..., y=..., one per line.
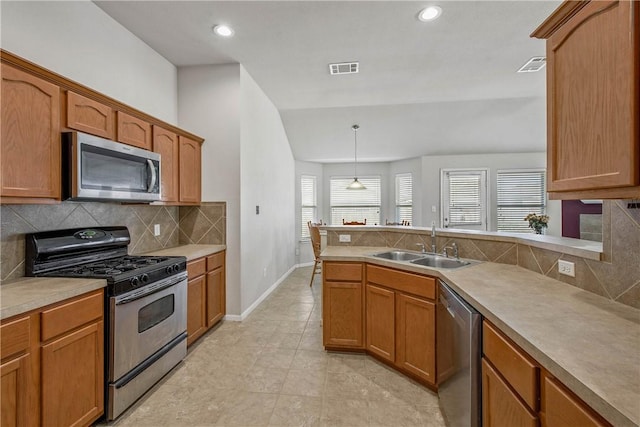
x=355, y=205
x=404, y=197
x=520, y=192
x=466, y=202
x=308, y=203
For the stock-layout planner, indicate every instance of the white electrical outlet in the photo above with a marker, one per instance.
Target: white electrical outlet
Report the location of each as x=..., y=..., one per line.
x=156, y=229
x=345, y=238
x=264, y=272
x=567, y=268
x=434, y=209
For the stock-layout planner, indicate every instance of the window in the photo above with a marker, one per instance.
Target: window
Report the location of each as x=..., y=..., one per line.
x=308, y=201
x=464, y=199
x=404, y=197
x=355, y=205
x=520, y=192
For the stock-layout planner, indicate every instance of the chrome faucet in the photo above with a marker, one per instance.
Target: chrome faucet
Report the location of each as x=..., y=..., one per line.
x=422, y=248
x=453, y=246
x=433, y=237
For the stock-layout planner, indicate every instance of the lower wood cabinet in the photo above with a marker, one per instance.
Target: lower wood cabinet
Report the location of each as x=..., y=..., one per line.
x=561, y=408
x=416, y=336
x=381, y=333
x=500, y=405
x=206, y=294
x=516, y=391
x=342, y=305
x=52, y=367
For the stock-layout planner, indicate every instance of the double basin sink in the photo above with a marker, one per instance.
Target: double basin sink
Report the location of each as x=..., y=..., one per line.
x=426, y=259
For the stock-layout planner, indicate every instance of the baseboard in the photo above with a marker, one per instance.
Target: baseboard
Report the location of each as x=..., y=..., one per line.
x=304, y=264
x=256, y=303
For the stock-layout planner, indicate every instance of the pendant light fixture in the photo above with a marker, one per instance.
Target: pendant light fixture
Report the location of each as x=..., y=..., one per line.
x=355, y=185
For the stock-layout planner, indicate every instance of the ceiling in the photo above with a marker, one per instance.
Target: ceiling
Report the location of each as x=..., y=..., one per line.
x=445, y=87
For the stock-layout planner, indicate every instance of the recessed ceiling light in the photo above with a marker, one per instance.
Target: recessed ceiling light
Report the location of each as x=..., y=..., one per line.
x=430, y=13
x=223, y=30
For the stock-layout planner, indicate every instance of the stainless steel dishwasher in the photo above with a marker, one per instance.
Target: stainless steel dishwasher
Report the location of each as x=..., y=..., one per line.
x=459, y=329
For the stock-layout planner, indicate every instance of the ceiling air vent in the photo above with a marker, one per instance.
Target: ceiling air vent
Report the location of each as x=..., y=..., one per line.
x=534, y=64
x=344, y=68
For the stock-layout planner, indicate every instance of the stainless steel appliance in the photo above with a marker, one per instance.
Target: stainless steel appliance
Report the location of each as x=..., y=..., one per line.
x=145, y=307
x=459, y=347
x=100, y=169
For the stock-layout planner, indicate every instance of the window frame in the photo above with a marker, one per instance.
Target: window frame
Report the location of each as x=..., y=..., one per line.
x=531, y=207
x=484, y=214
x=398, y=205
x=304, y=229
x=348, y=180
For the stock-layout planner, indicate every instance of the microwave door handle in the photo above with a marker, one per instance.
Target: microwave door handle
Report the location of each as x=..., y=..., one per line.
x=154, y=176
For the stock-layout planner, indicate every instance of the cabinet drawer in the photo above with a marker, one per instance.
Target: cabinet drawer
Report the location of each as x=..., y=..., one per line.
x=197, y=267
x=14, y=337
x=215, y=261
x=66, y=317
x=399, y=280
x=516, y=366
x=342, y=271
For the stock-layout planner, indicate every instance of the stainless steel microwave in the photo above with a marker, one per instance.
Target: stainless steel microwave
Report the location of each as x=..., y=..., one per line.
x=99, y=169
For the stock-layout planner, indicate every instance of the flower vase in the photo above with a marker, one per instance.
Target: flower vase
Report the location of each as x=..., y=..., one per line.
x=538, y=230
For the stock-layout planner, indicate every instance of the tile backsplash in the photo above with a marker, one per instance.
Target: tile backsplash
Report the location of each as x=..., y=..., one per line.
x=178, y=225
x=616, y=277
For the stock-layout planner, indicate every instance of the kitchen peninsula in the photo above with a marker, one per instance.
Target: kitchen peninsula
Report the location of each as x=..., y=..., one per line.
x=588, y=343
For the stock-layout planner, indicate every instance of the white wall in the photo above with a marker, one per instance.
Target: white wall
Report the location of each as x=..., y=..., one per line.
x=79, y=41
x=209, y=105
x=305, y=251
x=268, y=181
x=430, y=187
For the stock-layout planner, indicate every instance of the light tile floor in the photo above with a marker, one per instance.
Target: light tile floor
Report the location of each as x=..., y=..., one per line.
x=271, y=370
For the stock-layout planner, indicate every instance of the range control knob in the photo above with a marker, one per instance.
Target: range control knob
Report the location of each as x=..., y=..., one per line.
x=144, y=278
x=134, y=281
x=176, y=268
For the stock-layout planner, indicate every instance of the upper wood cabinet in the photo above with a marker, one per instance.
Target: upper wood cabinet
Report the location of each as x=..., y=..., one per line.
x=593, y=97
x=190, y=171
x=133, y=131
x=30, y=137
x=87, y=115
x=165, y=143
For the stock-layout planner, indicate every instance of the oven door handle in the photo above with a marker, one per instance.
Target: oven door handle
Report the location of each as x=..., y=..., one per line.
x=154, y=175
x=146, y=291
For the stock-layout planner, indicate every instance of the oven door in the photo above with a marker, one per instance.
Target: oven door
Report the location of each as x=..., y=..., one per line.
x=144, y=320
x=107, y=170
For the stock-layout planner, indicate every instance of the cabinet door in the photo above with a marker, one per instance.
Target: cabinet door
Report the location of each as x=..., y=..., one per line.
x=165, y=143
x=381, y=322
x=87, y=115
x=73, y=377
x=15, y=391
x=133, y=131
x=415, y=337
x=500, y=405
x=216, y=296
x=561, y=408
x=30, y=146
x=343, y=314
x=592, y=99
x=189, y=170
x=196, y=308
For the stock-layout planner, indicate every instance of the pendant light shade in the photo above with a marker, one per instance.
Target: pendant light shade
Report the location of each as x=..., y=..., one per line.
x=355, y=185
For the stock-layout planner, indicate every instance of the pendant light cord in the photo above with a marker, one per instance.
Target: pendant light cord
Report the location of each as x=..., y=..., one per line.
x=355, y=152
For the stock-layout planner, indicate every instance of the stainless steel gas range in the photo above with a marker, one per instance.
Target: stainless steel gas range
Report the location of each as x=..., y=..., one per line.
x=145, y=307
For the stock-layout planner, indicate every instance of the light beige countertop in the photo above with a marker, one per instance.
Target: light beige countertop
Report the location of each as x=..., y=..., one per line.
x=30, y=293
x=589, y=343
x=582, y=248
x=190, y=251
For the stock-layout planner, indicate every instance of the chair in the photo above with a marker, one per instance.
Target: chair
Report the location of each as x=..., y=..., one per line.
x=354, y=222
x=314, y=233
